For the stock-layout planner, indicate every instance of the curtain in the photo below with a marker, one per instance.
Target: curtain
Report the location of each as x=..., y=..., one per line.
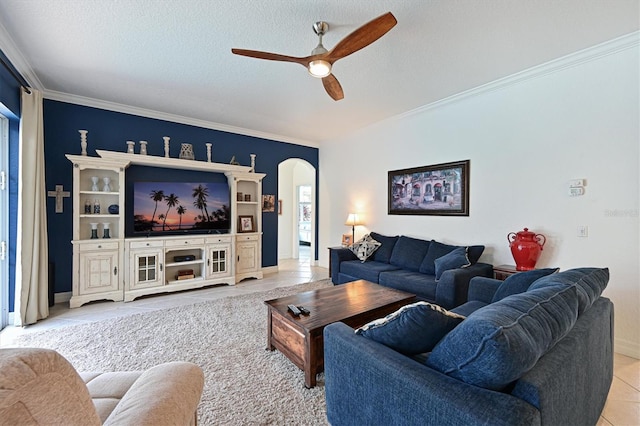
x=32, y=275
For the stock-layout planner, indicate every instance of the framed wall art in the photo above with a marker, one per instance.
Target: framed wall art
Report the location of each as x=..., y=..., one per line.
x=440, y=190
x=245, y=224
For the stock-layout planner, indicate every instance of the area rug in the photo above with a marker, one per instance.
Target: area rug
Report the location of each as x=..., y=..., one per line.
x=245, y=384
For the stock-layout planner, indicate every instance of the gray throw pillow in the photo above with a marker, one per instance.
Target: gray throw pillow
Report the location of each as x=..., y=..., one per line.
x=365, y=247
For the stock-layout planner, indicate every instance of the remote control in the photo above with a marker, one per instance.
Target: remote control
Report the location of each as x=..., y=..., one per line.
x=294, y=310
x=304, y=310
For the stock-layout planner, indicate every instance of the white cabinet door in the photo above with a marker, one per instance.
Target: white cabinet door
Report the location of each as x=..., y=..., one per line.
x=247, y=256
x=98, y=272
x=218, y=260
x=146, y=268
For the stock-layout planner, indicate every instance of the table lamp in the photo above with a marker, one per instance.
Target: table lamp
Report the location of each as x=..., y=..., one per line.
x=352, y=220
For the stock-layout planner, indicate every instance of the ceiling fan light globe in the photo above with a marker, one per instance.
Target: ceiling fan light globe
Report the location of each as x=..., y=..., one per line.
x=319, y=68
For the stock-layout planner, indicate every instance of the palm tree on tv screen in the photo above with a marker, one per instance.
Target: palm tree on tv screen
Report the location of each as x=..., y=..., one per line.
x=157, y=196
x=181, y=210
x=200, y=193
x=172, y=201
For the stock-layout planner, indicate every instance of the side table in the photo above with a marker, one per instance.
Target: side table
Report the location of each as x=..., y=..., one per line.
x=501, y=272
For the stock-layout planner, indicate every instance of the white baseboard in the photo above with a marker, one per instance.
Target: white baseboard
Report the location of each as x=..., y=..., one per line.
x=270, y=269
x=61, y=297
x=626, y=347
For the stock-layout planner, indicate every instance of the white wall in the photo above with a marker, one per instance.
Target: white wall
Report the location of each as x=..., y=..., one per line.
x=526, y=137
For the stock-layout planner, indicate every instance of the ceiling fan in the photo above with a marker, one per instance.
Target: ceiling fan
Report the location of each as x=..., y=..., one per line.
x=320, y=61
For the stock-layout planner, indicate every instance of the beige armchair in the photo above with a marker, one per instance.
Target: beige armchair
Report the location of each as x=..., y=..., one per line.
x=40, y=387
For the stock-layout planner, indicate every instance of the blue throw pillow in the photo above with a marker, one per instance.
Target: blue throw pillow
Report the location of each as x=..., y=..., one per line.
x=456, y=259
x=590, y=283
x=520, y=282
x=383, y=254
x=436, y=250
x=412, y=329
x=497, y=344
x=409, y=252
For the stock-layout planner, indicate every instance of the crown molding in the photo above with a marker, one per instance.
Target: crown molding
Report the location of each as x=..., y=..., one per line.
x=589, y=54
x=174, y=118
x=18, y=61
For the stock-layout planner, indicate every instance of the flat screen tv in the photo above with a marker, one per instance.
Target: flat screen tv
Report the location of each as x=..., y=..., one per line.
x=180, y=207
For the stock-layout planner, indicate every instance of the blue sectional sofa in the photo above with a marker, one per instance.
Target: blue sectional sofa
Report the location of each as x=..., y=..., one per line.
x=409, y=264
x=541, y=356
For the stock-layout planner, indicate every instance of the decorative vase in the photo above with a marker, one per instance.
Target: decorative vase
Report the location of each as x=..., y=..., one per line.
x=94, y=230
x=525, y=248
x=143, y=147
x=114, y=209
x=208, y=145
x=87, y=206
x=105, y=230
x=186, y=151
x=106, y=187
x=96, y=207
x=94, y=180
x=131, y=147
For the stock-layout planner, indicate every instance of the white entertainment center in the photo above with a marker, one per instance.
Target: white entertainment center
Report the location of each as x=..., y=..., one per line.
x=107, y=265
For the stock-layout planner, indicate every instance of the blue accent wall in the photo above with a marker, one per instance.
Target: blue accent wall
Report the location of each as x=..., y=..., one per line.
x=110, y=130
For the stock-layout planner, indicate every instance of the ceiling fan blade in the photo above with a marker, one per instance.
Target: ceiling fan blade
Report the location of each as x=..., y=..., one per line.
x=333, y=87
x=271, y=56
x=362, y=37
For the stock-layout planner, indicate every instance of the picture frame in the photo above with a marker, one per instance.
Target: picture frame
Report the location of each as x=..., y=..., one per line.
x=280, y=207
x=268, y=203
x=347, y=240
x=438, y=190
x=245, y=224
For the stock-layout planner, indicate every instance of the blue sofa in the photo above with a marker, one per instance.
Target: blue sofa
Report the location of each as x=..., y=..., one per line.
x=557, y=371
x=409, y=264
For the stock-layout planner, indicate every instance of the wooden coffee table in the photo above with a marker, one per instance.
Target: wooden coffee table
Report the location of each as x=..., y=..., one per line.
x=300, y=338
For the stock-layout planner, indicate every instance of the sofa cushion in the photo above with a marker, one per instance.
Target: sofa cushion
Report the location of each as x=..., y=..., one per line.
x=497, y=344
x=590, y=283
x=409, y=252
x=422, y=285
x=452, y=260
x=436, y=250
x=383, y=254
x=364, y=247
x=369, y=271
x=469, y=307
x=520, y=282
x=412, y=329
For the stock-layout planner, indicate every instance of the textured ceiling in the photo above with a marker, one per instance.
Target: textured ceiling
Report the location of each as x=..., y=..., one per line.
x=174, y=57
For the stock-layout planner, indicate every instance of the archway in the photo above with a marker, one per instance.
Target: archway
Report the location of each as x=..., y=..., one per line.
x=296, y=209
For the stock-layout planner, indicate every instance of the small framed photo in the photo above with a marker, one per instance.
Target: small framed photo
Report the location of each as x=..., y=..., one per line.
x=279, y=206
x=347, y=239
x=245, y=224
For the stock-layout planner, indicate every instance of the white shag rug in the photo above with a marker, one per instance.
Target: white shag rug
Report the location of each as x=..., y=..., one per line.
x=245, y=384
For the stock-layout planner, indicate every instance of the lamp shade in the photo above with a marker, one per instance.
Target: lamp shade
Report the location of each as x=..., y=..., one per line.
x=353, y=220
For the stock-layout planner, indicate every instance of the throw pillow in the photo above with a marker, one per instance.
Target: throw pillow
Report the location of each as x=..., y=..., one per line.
x=456, y=259
x=436, y=250
x=364, y=247
x=412, y=329
x=520, y=282
x=499, y=343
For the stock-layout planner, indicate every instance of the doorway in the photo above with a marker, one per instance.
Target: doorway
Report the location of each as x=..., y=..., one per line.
x=4, y=221
x=296, y=210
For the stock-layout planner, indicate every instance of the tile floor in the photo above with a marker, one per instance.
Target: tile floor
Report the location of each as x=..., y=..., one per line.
x=622, y=407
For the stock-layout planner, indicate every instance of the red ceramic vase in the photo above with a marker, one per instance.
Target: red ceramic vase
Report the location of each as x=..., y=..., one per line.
x=525, y=248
